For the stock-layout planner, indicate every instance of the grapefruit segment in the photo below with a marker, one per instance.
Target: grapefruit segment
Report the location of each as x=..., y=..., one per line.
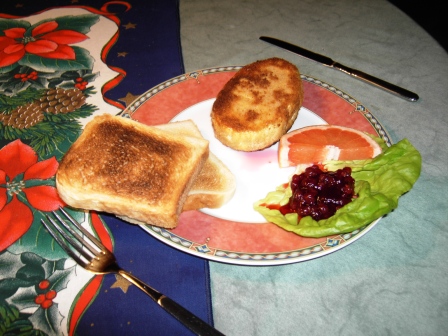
x=316, y=144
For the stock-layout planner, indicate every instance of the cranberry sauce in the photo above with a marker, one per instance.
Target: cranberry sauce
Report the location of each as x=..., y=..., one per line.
x=319, y=194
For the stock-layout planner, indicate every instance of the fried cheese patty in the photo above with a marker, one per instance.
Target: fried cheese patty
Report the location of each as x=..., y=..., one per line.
x=257, y=105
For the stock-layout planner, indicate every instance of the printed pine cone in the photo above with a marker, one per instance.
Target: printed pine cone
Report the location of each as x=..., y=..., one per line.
x=62, y=100
x=23, y=116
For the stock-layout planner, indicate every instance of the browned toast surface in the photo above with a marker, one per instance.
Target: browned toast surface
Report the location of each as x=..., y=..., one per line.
x=132, y=170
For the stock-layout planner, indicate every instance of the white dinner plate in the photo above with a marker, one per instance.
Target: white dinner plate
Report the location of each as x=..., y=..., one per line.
x=236, y=233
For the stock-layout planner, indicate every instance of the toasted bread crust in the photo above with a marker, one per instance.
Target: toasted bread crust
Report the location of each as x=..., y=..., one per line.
x=215, y=184
x=257, y=105
x=132, y=170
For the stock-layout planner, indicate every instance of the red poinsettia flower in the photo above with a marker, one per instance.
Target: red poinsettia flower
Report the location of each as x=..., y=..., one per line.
x=45, y=41
x=23, y=184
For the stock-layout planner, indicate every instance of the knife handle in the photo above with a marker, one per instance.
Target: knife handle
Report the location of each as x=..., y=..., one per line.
x=190, y=320
x=184, y=316
x=377, y=82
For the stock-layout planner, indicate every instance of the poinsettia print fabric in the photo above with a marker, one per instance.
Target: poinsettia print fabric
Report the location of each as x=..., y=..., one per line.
x=52, y=73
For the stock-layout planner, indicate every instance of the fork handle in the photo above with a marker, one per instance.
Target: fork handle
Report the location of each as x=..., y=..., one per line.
x=183, y=315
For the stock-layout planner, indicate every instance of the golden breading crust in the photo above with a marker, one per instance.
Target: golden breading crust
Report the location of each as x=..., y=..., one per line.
x=257, y=105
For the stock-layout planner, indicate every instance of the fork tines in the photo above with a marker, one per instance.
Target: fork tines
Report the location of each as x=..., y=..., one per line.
x=68, y=232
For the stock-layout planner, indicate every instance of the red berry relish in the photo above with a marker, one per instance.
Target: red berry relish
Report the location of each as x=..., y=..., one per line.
x=319, y=194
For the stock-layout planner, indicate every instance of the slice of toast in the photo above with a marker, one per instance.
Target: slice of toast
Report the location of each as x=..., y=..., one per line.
x=215, y=184
x=137, y=172
x=258, y=105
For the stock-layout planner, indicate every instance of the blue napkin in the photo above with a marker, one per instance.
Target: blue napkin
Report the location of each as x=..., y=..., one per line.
x=153, y=55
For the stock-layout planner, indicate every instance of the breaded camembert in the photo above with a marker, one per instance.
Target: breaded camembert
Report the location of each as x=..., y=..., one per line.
x=257, y=105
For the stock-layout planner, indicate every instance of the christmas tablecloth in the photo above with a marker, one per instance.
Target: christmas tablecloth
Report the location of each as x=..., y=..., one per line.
x=61, y=63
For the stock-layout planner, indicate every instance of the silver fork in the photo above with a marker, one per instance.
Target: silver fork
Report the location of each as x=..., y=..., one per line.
x=91, y=254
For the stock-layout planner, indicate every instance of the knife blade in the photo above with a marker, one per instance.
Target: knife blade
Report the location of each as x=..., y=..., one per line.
x=327, y=61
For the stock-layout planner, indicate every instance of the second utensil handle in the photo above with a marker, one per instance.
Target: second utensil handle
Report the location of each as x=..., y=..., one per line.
x=183, y=315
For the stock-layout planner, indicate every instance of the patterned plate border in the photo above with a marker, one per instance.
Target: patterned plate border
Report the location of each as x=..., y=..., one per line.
x=331, y=244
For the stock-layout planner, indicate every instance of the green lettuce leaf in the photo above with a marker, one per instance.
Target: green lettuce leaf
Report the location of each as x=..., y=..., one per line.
x=379, y=183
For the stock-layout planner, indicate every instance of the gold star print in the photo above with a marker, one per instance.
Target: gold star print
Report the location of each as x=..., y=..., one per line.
x=122, y=54
x=128, y=99
x=121, y=283
x=19, y=5
x=130, y=25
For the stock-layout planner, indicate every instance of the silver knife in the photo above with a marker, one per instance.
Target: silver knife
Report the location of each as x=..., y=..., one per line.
x=327, y=61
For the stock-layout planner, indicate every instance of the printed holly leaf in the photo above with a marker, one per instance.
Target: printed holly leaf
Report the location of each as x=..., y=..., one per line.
x=51, y=317
x=23, y=298
x=31, y=273
x=10, y=286
x=12, y=87
x=56, y=82
x=85, y=74
x=82, y=60
x=33, y=269
x=11, y=82
x=23, y=272
x=51, y=266
x=39, y=83
x=48, y=320
x=9, y=264
x=60, y=278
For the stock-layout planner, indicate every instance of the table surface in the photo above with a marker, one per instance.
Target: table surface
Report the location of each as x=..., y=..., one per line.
x=393, y=280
